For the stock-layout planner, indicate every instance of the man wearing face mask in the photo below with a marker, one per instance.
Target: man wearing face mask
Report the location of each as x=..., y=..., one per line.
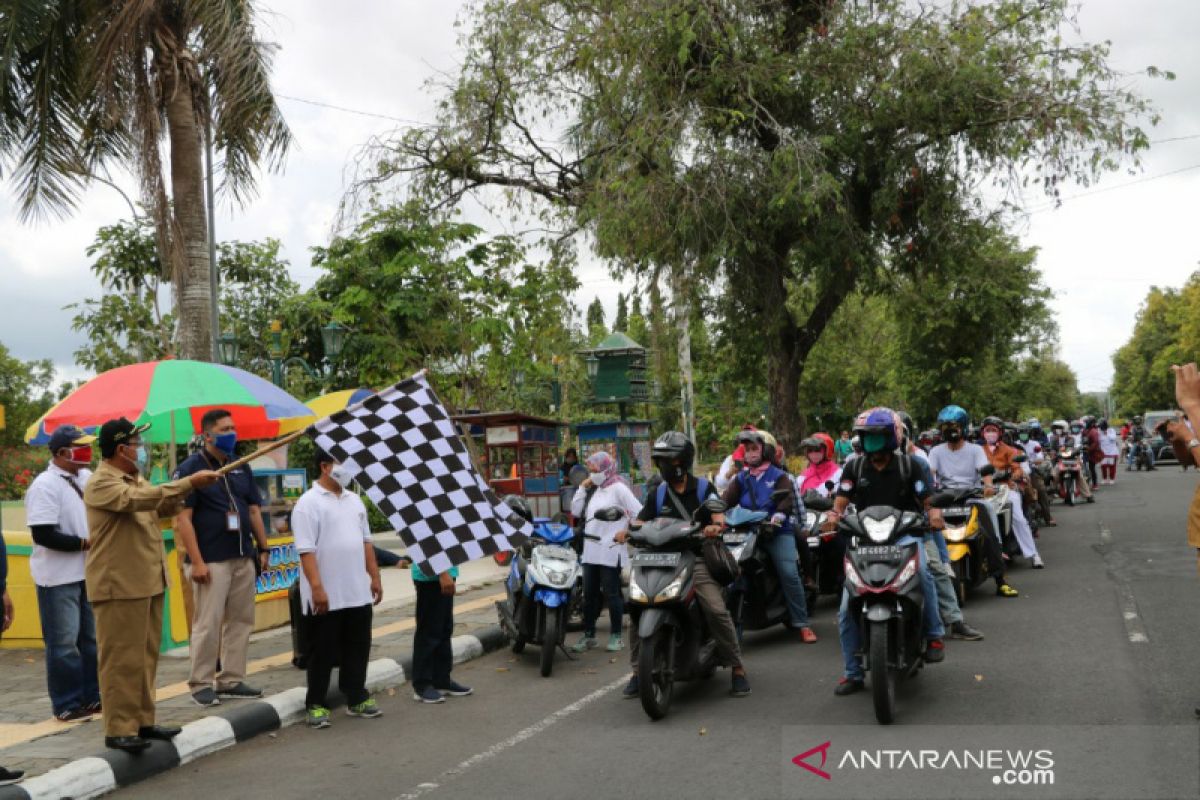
x=214, y=530
x=1001, y=457
x=126, y=575
x=57, y=519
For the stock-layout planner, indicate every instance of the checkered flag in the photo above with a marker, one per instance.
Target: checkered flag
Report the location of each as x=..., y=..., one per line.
x=402, y=448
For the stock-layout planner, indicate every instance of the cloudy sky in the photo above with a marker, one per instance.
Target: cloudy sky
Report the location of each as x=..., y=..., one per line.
x=1100, y=251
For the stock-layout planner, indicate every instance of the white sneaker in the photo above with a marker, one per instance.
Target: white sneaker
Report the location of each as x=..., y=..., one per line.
x=1038, y=563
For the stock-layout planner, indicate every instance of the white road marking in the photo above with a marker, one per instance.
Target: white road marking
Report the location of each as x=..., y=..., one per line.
x=1134, y=627
x=512, y=741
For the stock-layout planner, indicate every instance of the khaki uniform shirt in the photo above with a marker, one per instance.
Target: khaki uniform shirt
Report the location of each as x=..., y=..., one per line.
x=1193, y=520
x=127, y=559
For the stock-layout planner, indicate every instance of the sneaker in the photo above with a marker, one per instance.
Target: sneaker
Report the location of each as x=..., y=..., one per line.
x=961, y=630
x=240, y=691
x=428, y=695
x=368, y=709
x=317, y=717
x=631, y=689
x=1038, y=563
x=1004, y=590
x=807, y=635
x=585, y=643
x=10, y=776
x=72, y=714
x=1091, y=498
x=740, y=686
x=849, y=686
x=205, y=697
x=935, y=651
x=94, y=708
x=615, y=643
x=455, y=689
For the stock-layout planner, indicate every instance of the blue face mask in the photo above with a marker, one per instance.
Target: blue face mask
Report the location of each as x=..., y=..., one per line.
x=225, y=442
x=140, y=456
x=874, y=442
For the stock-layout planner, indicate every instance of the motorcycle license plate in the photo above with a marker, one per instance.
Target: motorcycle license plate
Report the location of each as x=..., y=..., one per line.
x=957, y=511
x=556, y=552
x=814, y=541
x=655, y=560
x=733, y=539
x=882, y=552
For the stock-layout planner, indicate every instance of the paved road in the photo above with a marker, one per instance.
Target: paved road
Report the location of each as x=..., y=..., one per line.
x=1105, y=636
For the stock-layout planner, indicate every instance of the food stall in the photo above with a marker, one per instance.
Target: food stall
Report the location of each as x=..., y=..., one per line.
x=519, y=455
x=628, y=442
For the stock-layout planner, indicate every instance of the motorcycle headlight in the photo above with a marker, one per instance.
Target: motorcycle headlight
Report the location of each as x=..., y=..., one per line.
x=810, y=519
x=955, y=534
x=670, y=591
x=906, y=574
x=635, y=592
x=852, y=576
x=879, y=530
x=556, y=577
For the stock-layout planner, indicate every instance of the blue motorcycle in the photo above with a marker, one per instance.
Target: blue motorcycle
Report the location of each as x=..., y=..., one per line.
x=539, y=586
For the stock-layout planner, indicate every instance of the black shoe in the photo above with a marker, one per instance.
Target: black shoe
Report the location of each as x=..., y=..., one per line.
x=961, y=630
x=240, y=691
x=130, y=744
x=163, y=733
x=1091, y=498
x=10, y=776
x=206, y=697
x=740, y=687
x=631, y=689
x=935, y=651
x=849, y=686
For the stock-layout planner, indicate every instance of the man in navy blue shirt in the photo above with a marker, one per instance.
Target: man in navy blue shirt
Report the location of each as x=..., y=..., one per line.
x=218, y=530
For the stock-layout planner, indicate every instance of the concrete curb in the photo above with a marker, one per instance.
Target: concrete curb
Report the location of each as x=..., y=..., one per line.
x=96, y=775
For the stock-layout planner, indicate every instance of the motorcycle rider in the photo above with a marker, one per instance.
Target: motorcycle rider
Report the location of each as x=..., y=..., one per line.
x=1037, y=456
x=1067, y=436
x=956, y=464
x=1138, y=436
x=822, y=469
x=753, y=489
x=936, y=551
x=1001, y=457
x=673, y=455
x=732, y=464
x=883, y=477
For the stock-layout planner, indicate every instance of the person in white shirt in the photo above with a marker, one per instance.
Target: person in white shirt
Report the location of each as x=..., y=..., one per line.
x=339, y=582
x=1037, y=456
x=603, y=559
x=1110, y=449
x=57, y=518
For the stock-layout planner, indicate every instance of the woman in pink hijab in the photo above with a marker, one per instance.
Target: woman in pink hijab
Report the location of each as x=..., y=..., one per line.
x=822, y=467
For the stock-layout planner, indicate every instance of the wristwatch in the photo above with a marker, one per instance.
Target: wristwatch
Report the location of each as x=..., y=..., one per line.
x=1194, y=443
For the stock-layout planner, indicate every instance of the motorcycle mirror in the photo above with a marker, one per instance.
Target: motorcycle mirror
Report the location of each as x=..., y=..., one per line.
x=988, y=470
x=715, y=505
x=610, y=514
x=829, y=485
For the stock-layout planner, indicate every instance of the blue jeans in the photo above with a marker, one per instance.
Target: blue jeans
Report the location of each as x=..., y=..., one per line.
x=783, y=552
x=850, y=636
x=69, y=631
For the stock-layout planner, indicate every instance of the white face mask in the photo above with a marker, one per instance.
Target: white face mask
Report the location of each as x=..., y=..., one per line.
x=991, y=437
x=596, y=477
x=341, y=475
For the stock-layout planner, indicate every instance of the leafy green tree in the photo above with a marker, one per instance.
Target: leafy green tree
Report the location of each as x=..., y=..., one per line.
x=800, y=151
x=1164, y=334
x=621, y=323
x=26, y=392
x=85, y=86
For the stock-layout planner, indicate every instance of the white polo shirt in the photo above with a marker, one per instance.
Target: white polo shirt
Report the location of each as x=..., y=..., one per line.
x=51, y=500
x=334, y=526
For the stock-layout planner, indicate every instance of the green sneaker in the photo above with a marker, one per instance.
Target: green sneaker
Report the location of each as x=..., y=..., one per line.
x=318, y=717
x=585, y=643
x=615, y=643
x=367, y=708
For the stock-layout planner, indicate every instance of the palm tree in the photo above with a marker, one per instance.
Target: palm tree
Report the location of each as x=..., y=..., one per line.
x=89, y=84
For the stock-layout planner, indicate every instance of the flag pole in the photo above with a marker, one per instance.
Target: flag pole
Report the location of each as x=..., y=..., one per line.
x=262, y=451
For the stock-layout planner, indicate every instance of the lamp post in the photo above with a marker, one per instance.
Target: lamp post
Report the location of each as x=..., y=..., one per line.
x=333, y=340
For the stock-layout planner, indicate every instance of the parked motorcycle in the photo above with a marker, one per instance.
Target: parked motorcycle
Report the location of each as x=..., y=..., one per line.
x=886, y=600
x=674, y=639
x=539, y=589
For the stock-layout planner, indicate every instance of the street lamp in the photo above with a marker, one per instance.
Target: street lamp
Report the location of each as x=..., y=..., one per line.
x=333, y=338
x=228, y=349
x=593, y=366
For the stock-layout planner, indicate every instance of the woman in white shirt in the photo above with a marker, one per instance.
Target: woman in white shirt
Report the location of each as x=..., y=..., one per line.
x=1110, y=450
x=602, y=558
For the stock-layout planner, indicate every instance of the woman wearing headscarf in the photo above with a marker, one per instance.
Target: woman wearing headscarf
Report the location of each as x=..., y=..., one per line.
x=822, y=467
x=602, y=558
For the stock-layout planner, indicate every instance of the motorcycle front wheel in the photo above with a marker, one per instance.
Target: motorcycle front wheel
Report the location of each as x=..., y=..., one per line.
x=550, y=636
x=883, y=679
x=654, y=674
x=1069, y=489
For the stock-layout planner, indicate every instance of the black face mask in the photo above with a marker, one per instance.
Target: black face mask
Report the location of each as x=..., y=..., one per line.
x=672, y=473
x=952, y=435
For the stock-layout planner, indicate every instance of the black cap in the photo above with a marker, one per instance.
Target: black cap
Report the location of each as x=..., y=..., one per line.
x=117, y=431
x=66, y=436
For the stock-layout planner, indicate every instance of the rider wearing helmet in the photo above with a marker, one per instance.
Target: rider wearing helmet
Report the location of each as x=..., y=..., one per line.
x=822, y=467
x=1037, y=456
x=1001, y=456
x=883, y=477
x=1138, y=436
x=673, y=455
x=956, y=464
x=763, y=486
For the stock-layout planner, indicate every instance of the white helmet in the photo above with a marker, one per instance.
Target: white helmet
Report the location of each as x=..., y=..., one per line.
x=1059, y=423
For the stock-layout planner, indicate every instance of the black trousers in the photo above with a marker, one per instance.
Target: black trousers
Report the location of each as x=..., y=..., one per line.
x=347, y=632
x=596, y=576
x=432, y=653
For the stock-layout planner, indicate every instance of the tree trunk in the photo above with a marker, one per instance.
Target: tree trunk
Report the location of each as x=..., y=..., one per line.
x=686, y=389
x=189, y=251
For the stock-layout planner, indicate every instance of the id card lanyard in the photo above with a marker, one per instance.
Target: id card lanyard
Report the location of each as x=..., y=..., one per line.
x=233, y=520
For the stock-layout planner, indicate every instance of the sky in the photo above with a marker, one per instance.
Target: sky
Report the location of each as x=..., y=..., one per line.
x=1099, y=252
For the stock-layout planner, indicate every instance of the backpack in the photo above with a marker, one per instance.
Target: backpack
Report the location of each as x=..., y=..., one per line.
x=855, y=469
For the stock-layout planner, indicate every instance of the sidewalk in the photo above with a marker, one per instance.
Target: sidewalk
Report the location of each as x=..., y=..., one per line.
x=30, y=739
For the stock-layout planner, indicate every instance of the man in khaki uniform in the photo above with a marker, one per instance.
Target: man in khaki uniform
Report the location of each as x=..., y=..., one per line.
x=126, y=576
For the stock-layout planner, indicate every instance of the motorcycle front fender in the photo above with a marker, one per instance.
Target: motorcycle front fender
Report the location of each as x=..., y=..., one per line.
x=958, y=550
x=651, y=620
x=552, y=598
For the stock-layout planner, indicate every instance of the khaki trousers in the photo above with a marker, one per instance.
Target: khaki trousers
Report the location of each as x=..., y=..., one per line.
x=222, y=621
x=128, y=633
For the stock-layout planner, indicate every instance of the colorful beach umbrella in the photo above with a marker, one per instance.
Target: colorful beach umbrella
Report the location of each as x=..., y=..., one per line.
x=174, y=394
x=324, y=406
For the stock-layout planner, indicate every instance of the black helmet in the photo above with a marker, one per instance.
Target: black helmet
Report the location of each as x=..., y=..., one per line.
x=673, y=446
x=767, y=445
x=909, y=428
x=999, y=423
x=520, y=505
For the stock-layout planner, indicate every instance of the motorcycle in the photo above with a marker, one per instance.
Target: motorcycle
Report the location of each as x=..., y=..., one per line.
x=1141, y=457
x=825, y=549
x=1067, y=469
x=538, y=589
x=756, y=599
x=674, y=640
x=964, y=538
x=886, y=599
x=1045, y=468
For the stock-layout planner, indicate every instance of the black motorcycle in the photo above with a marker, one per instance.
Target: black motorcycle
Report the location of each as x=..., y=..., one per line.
x=886, y=599
x=756, y=598
x=674, y=639
x=826, y=550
